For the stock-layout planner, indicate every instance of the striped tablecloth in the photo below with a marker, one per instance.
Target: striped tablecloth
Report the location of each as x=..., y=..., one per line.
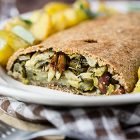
x=94, y=123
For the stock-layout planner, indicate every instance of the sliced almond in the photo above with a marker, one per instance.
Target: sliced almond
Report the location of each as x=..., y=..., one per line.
x=58, y=75
x=51, y=74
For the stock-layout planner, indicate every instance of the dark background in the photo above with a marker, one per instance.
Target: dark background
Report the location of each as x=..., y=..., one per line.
x=28, y=5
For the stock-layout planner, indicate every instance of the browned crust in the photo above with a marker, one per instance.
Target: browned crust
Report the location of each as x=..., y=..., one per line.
x=114, y=41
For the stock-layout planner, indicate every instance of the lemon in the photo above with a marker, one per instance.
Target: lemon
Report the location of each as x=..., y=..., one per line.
x=59, y=21
x=5, y=52
x=83, y=3
x=74, y=16
x=35, y=16
x=13, y=41
x=137, y=87
x=42, y=28
x=81, y=15
x=14, y=22
x=139, y=73
x=71, y=17
x=24, y=34
x=55, y=7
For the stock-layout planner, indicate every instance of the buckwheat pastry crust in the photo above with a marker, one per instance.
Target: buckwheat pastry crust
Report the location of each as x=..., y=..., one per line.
x=113, y=43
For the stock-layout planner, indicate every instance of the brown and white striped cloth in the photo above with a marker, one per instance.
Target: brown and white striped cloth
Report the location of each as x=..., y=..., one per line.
x=94, y=123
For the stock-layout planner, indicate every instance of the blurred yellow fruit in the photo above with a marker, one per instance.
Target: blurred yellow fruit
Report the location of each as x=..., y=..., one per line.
x=35, y=16
x=74, y=16
x=82, y=8
x=137, y=88
x=14, y=22
x=81, y=15
x=139, y=73
x=55, y=7
x=13, y=41
x=71, y=17
x=5, y=52
x=59, y=21
x=41, y=29
x=23, y=33
x=81, y=4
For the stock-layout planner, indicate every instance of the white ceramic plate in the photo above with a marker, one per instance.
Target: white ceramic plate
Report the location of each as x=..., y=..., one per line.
x=39, y=95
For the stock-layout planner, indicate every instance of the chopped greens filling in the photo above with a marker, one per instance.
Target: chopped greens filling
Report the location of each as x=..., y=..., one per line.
x=70, y=70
